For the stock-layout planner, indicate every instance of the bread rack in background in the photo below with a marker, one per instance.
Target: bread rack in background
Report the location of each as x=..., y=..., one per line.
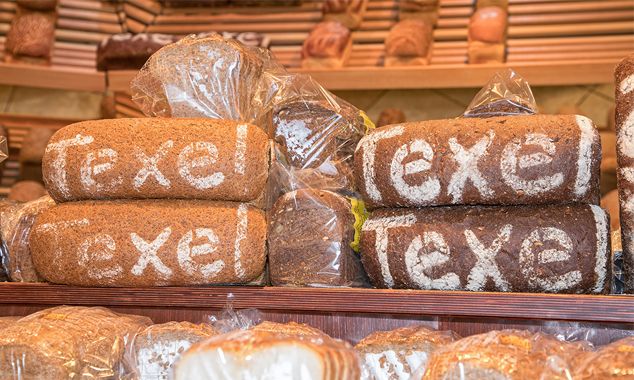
x=550, y=43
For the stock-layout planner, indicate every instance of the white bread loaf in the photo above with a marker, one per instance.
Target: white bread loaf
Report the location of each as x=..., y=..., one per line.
x=269, y=353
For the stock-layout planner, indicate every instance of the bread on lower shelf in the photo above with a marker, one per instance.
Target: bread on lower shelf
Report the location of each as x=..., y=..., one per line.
x=487, y=35
x=504, y=355
x=67, y=342
x=397, y=354
x=348, y=12
x=257, y=355
x=31, y=36
x=426, y=10
x=614, y=361
x=156, y=348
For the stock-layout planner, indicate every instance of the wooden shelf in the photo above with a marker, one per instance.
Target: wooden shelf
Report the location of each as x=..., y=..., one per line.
x=55, y=77
x=439, y=76
x=407, y=303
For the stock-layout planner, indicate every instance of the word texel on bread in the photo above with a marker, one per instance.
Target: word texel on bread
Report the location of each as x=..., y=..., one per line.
x=556, y=249
x=157, y=158
x=149, y=243
x=536, y=159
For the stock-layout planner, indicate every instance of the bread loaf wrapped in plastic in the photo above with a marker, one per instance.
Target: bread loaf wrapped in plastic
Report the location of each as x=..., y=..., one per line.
x=16, y=222
x=155, y=349
x=274, y=352
x=67, y=342
x=614, y=361
x=505, y=355
x=398, y=354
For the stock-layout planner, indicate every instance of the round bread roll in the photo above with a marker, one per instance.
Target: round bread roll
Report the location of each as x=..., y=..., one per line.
x=25, y=191
x=488, y=25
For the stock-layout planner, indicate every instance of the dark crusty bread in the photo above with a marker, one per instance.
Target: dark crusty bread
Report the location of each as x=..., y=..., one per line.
x=157, y=158
x=127, y=51
x=40, y=5
x=624, y=97
x=67, y=343
x=504, y=355
x=554, y=249
x=500, y=107
x=31, y=35
x=397, y=354
x=535, y=159
x=614, y=361
x=149, y=243
x=310, y=236
x=158, y=347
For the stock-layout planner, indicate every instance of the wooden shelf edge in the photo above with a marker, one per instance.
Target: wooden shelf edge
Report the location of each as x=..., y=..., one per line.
x=585, y=308
x=439, y=76
x=51, y=77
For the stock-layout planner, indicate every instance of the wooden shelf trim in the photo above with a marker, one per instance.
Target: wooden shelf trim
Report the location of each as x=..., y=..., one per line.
x=593, y=71
x=55, y=77
x=363, y=301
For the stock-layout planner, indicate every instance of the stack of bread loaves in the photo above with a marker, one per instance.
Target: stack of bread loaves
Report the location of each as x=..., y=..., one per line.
x=518, y=197
x=149, y=202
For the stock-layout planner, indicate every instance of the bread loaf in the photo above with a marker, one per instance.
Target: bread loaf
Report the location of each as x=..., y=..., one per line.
x=31, y=36
x=67, y=343
x=310, y=237
x=40, y=5
x=624, y=97
x=487, y=35
x=554, y=249
x=536, y=159
x=327, y=46
x=16, y=226
x=409, y=43
x=426, y=10
x=260, y=355
x=157, y=347
x=7, y=321
x=614, y=361
x=149, y=243
x=316, y=140
x=289, y=328
x=390, y=116
x=156, y=158
x=25, y=191
x=127, y=51
x=504, y=355
x=397, y=354
x=348, y=12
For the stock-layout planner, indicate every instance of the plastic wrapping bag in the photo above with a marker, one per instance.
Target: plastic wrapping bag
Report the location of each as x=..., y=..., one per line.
x=207, y=76
x=313, y=239
x=399, y=353
x=269, y=351
x=153, y=351
x=506, y=354
x=4, y=149
x=614, y=361
x=506, y=94
x=67, y=343
x=16, y=221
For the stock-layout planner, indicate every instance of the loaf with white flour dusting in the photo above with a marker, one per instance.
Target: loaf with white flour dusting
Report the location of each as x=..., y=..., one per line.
x=534, y=159
x=625, y=156
x=149, y=243
x=156, y=158
x=554, y=249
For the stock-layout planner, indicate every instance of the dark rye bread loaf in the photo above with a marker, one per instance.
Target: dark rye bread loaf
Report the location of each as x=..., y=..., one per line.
x=310, y=236
x=149, y=243
x=535, y=159
x=624, y=97
x=127, y=51
x=157, y=158
x=553, y=249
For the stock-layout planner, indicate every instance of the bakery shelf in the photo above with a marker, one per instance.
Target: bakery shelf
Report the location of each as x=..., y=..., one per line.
x=407, y=303
x=55, y=77
x=439, y=76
